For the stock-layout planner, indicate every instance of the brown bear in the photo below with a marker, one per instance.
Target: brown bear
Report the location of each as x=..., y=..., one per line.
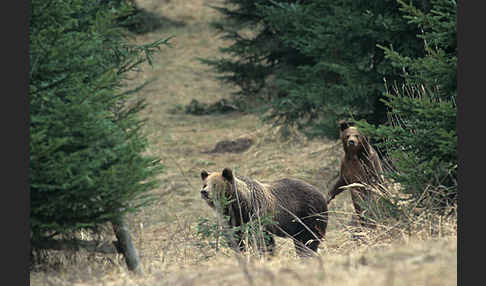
x=361, y=165
x=298, y=209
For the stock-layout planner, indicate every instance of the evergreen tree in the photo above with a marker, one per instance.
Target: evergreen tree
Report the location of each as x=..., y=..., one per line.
x=319, y=58
x=420, y=137
x=87, y=151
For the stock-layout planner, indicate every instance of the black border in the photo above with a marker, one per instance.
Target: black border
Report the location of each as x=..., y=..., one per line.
x=460, y=21
x=470, y=83
x=15, y=210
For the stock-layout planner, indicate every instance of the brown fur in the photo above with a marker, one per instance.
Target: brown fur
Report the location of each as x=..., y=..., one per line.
x=298, y=208
x=360, y=164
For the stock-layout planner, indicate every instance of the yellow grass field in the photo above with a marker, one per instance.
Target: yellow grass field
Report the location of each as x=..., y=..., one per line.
x=165, y=233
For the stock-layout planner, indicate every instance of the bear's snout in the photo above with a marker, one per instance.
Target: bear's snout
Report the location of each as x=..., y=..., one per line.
x=204, y=194
x=352, y=143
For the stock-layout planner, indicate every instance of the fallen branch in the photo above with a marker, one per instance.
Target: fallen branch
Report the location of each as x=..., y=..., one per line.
x=351, y=186
x=377, y=189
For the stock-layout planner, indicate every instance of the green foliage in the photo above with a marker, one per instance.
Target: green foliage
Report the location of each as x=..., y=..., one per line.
x=420, y=138
x=218, y=234
x=254, y=229
x=221, y=233
x=437, y=68
x=309, y=63
x=87, y=150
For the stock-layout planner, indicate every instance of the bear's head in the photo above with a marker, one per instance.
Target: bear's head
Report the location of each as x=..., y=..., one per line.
x=217, y=187
x=353, y=141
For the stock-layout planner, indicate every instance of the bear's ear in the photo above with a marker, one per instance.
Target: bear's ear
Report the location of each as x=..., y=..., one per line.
x=344, y=124
x=204, y=174
x=228, y=174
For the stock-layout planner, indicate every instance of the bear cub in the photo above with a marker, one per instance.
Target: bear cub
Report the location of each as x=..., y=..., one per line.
x=360, y=164
x=298, y=209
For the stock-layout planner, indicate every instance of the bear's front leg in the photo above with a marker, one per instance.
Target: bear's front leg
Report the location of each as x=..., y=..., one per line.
x=237, y=242
x=361, y=201
x=335, y=189
x=269, y=243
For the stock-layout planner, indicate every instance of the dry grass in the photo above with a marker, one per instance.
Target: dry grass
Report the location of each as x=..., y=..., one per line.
x=165, y=233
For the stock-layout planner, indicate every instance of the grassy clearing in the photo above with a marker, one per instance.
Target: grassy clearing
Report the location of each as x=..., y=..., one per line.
x=417, y=262
x=165, y=232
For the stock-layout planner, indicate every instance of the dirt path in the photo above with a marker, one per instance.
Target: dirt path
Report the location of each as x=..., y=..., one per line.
x=181, y=139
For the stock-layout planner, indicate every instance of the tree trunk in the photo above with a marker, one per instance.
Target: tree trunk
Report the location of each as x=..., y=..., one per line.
x=125, y=245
